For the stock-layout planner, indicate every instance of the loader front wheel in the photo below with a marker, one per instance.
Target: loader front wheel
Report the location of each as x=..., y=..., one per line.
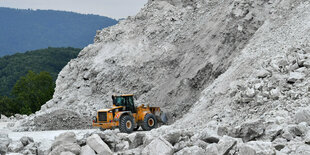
x=126, y=124
x=149, y=122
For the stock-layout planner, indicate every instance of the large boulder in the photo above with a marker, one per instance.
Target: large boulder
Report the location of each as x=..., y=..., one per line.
x=256, y=148
x=44, y=147
x=307, y=63
x=15, y=146
x=295, y=76
x=287, y=134
x=307, y=138
x=131, y=151
x=87, y=150
x=279, y=143
x=263, y=73
x=3, y=118
x=124, y=145
x=246, y=150
x=135, y=139
x=208, y=136
x=272, y=131
x=183, y=143
x=158, y=146
x=249, y=130
x=250, y=93
x=31, y=148
x=110, y=137
x=65, y=142
x=303, y=150
x=26, y=140
x=69, y=147
x=200, y=143
x=193, y=150
x=172, y=137
x=4, y=143
x=212, y=149
x=64, y=138
x=226, y=144
x=303, y=115
x=97, y=144
x=67, y=153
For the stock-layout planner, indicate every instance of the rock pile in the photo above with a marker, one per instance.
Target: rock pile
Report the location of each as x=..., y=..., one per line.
x=265, y=137
x=281, y=79
x=25, y=145
x=166, y=55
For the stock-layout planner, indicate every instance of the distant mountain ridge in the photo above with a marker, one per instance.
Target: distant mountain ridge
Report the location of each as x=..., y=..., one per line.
x=23, y=30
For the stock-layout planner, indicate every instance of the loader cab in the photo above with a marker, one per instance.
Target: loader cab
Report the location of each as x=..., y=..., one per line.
x=125, y=100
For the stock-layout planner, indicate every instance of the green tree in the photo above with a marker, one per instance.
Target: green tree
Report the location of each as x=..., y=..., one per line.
x=7, y=106
x=14, y=66
x=32, y=91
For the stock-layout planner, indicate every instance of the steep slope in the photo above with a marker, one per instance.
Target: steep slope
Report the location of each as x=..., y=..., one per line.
x=23, y=30
x=166, y=55
x=268, y=79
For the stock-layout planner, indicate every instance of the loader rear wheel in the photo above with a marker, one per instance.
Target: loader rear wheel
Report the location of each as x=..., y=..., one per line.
x=149, y=122
x=126, y=124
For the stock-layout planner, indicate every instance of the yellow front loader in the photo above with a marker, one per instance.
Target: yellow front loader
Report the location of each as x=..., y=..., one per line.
x=127, y=117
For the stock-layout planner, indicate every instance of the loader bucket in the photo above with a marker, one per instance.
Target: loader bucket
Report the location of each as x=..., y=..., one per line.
x=164, y=118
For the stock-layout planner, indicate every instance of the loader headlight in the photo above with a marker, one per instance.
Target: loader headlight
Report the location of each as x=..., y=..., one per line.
x=94, y=119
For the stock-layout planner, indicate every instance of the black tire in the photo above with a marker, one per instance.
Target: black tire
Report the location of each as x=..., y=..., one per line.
x=102, y=129
x=126, y=124
x=149, y=122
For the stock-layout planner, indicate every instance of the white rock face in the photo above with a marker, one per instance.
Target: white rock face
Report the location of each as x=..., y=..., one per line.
x=158, y=146
x=96, y=143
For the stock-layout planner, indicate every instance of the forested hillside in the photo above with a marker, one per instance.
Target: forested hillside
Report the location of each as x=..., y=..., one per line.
x=51, y=60
x=24, y=30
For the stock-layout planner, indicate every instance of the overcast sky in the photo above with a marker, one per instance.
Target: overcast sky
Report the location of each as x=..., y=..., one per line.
x=111, y=8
